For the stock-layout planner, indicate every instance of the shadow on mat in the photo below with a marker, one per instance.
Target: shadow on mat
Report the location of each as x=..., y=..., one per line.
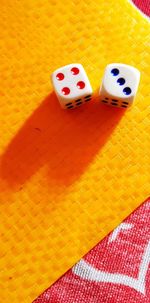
x=64, y=141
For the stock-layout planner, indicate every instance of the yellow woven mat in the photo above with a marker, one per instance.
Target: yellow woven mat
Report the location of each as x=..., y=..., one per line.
x=67, y=177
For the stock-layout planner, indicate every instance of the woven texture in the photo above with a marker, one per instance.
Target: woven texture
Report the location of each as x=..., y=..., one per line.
x=67, y=178
x=117, y=270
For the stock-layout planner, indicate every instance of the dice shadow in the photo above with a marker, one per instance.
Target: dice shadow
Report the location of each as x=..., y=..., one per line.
x=65, y=141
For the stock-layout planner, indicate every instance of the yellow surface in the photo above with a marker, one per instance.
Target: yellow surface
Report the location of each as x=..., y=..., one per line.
x=67, y=177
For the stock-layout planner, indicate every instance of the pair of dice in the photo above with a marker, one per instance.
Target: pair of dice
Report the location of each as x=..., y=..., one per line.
x=73, y=88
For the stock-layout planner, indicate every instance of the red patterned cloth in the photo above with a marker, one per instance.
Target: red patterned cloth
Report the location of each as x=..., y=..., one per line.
x=117, y=270
x=143, y=5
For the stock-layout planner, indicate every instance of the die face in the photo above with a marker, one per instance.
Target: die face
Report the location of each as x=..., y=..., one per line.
x=120, y=83
x=108, y=99
x=71, y=85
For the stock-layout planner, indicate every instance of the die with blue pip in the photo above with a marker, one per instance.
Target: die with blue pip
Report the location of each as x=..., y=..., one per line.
x=119, y=85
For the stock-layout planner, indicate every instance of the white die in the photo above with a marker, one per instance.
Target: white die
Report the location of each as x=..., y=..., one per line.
x=119, y=85
x=71, y=85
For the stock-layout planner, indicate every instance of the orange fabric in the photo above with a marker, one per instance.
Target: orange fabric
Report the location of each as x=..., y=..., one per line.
x=66, y=178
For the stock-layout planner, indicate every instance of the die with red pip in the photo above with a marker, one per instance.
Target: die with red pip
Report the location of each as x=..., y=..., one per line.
x=72, y=86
